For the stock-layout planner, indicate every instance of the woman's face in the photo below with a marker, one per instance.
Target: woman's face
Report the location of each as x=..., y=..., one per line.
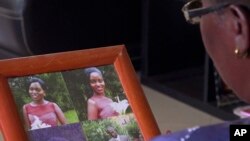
x=97, y=83
x=36, y=92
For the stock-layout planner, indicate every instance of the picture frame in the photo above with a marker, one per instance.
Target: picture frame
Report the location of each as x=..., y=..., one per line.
x=10, y=121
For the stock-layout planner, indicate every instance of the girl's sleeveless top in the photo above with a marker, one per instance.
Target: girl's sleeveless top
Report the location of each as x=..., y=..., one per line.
x=42, y=113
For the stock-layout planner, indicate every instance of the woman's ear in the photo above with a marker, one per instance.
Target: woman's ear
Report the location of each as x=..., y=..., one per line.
x=240, y=19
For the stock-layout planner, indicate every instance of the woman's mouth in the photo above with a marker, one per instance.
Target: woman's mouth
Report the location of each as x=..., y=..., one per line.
x=34, y=95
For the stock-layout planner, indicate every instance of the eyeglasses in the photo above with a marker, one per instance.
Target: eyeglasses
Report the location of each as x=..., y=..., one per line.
x=193, y=10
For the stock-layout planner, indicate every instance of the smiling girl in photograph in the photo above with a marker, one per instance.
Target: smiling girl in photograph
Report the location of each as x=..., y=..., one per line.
x=99, y=105
x=40, y=113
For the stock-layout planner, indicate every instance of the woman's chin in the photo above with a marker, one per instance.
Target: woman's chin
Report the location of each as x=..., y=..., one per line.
x=99, y=92
x=34, y=99
x=37, y=100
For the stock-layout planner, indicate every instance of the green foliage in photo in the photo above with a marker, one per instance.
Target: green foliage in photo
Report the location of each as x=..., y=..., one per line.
x=96, y=130
x=133, y=129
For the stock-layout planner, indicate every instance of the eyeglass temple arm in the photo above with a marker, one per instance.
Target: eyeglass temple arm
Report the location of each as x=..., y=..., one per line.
x=203, y=11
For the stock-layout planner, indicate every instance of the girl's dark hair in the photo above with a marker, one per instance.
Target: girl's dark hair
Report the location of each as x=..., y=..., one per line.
x=88, y=71
x=38, y=80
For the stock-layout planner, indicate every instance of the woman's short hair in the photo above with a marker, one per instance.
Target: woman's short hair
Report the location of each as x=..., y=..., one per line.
x=90, y=70
x=38, y=80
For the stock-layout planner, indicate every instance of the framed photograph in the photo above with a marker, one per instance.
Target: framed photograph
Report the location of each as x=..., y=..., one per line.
x=83, y=95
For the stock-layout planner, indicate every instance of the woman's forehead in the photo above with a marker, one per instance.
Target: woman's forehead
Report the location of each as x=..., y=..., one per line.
x=35, y=84
x=95, y=74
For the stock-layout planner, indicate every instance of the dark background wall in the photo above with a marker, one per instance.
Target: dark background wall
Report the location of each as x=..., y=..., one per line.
x=60, y=25
x=170, y=43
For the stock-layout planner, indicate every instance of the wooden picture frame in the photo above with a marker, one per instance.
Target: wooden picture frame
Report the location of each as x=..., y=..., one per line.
x=10, y=121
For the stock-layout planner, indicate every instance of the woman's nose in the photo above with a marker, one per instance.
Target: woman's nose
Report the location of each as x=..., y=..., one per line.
x=33, y=91
x=98, y=83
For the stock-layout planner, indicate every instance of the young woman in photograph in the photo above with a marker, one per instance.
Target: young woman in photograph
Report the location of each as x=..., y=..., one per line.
x=98, y=105
x=40, y=113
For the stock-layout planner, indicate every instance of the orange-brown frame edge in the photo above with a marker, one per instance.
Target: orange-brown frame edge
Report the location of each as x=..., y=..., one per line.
x=10, y=122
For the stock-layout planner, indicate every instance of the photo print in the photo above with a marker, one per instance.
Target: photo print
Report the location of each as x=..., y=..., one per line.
x=60, y=99
x=97, y=92
x=123, y=127
x=43, y=100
